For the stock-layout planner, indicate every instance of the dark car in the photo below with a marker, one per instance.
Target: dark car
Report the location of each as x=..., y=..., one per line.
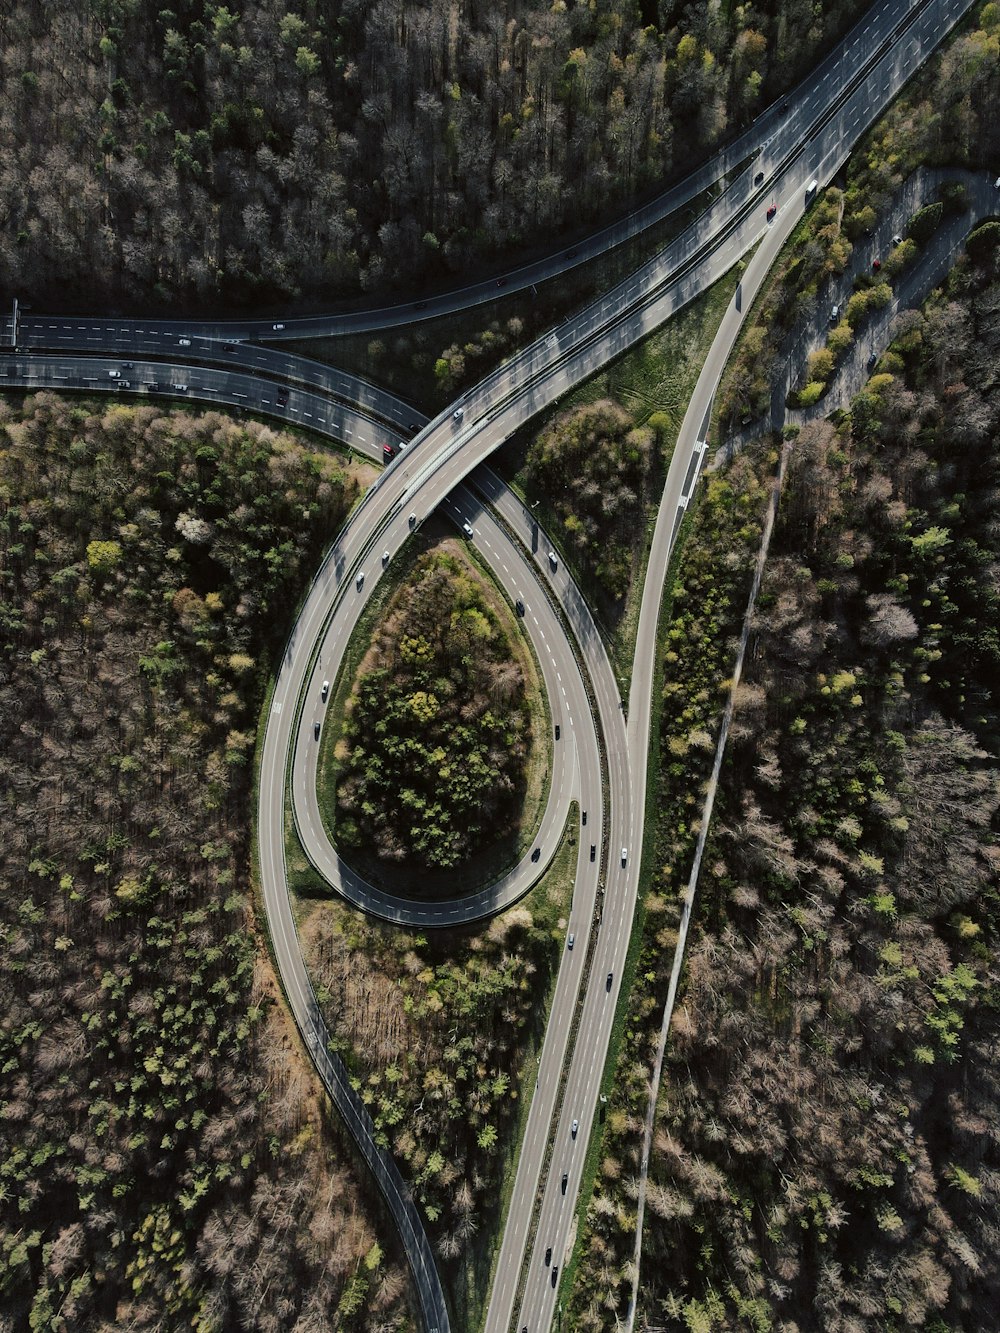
x=282, y=396
x=607, y=984
x=565, y=1181
x=229, y=347
x=555, y=1273
x=583, y=817
x=548, y=1255
x=783, y=109
x=536, y=853
x=501, y=282
x=876, y=264
x=759, y=178
x=519, y=607
x=593, y=851
x=873, y=361
x=771, y=212
x=558, y=731
x=316, y=731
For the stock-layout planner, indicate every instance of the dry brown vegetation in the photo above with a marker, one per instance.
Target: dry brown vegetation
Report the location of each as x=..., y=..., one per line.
x=164, y=1158
x=826, y=1154
x=265, y=150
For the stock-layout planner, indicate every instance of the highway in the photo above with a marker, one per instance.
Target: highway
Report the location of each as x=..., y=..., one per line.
x=829, y=115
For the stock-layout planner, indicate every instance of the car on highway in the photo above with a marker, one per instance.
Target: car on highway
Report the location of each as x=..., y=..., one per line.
x=593, y=851
x=553, y=560
x=114, y=374
x=783, y=109
x=873, y=361
x=771, y=212
x=183, y=342
x=324, y=693
x=179, y=388
x=229, y=347
x=536, y=854
x=558, y=731
x=575, y=1126
x=467, y=529
x=555, y=1273
x=388, y=453
x=277, y=327
x=897, y=240
x=834, y=314
x=412, y=520
x=458, y=414
x=128, y=365
x=360, y=580
x=519, y=607
x=759, y=178
x=565, y=1181
x=501, y=282
x=548, y=1255
x=571, y=940
x=282, y=396
x=385, y=556
x=876, y=265
x=316, y=731
x=624, y=855
x=607, y=984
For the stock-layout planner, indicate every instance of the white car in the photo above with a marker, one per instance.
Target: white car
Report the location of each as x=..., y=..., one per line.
x=553, y=560
x=467, y=529
x=624, y=855
x=184, y=342
x=115, y=374
x=277, y=327
x=360, y=580
x=458, y=413
x=576, y=1126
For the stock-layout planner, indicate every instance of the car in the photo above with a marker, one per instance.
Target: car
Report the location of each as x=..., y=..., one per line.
x=759, y=178
x=876, y=264
x=873, y=361
x=593, y=851
x=897, y=240
x=128, y=365
x=771, y=212
x=574, y=1127
x=229, y=347
x=467, y=529
x=536, y=853
x=316, y=731
x=360, y=580
x=607, y=984
x=783, y=109
x=388, y=453
x=458, y=414
x=583, y=817
x=834, y=314
x=152, y=385
x=420, y=305
x=277, y=327
x=519, y=607
x=558, y=731
x=114, y=374
x=555, y=1273
x=570, y=940
x=548, y=1255
x=412, y=520
x=501, y=282
x=624, y=855
x=324, y=693
x=565, y=1181
x=385, y=556
x=124, y=384
x=553, y=560
x=180, y=388
x=183, y=342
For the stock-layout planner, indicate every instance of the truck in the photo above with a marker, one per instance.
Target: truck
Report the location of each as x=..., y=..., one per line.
x=811, y=189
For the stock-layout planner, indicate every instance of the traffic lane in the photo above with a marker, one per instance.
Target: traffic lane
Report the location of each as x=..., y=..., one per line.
x=141, y=379
x=566, y=692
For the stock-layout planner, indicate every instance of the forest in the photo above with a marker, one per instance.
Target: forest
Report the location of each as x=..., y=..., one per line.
x=165, y=1160
x=437, y=733
x=259, y=152
x=825, y=1152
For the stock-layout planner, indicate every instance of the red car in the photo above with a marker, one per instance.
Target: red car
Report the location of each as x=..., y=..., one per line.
x=876, y=264
x=771, y=212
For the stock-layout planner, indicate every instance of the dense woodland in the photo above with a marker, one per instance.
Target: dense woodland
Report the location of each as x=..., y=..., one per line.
x=826, y=1153
x=437, y=732
x=165, y=1159
x=263, y=151
x=437, y=1029
x=595, y=469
